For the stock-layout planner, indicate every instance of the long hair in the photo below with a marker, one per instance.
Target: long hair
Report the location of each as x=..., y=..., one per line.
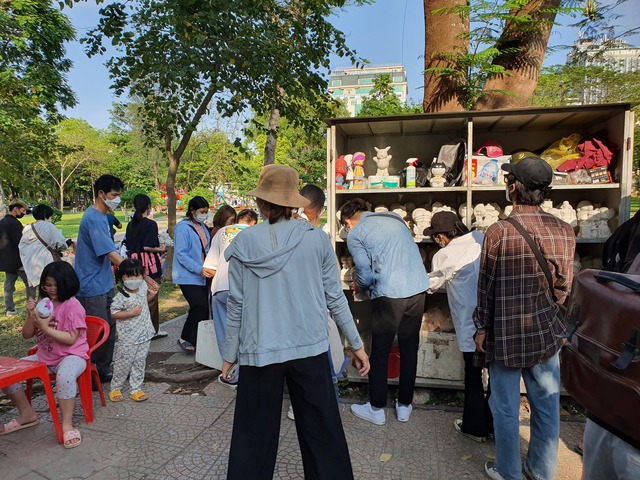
x=273, y=212
x=67, y=282
x=141, y=203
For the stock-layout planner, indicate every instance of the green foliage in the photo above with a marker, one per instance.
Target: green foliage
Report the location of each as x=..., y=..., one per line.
x=199, y=191
x=383, y=101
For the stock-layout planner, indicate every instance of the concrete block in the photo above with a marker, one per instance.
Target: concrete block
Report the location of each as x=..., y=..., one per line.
x=439, y=356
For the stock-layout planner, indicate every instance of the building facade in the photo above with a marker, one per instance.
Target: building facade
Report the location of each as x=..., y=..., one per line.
x=351, y=85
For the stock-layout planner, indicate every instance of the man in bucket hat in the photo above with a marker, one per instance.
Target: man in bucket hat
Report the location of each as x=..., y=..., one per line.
x=274, y=336
x=519, y=322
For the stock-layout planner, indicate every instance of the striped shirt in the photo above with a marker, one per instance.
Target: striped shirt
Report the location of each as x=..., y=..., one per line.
x=514, y=300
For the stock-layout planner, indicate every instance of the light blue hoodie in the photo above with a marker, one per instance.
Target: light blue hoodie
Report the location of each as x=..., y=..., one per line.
x=282, y=279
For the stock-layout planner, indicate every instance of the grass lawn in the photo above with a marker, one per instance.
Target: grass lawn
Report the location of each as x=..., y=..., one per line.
x=172, y=304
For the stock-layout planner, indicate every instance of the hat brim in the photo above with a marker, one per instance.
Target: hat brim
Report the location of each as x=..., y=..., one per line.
x=282, y=198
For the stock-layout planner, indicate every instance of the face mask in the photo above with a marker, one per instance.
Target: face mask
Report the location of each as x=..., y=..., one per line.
x=112, y=204
x=132, y=284
x=202, y=217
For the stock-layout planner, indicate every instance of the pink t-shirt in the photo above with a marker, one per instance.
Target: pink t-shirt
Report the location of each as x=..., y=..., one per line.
x=67, y=317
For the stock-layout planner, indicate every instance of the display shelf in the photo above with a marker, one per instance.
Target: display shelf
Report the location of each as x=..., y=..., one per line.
x=588, y=186
x=395, y=191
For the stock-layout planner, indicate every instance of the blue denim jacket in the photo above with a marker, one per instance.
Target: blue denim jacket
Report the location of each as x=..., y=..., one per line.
x=387, y=259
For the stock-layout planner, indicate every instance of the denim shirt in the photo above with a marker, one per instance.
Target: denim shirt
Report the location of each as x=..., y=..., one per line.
x=387, y=260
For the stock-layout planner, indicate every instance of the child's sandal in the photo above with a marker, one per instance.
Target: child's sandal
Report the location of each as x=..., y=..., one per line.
x=139, y=396
x=115, y=396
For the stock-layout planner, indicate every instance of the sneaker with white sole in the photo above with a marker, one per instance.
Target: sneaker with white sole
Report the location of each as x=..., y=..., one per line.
x=227, y=383
x=366, y=412
x=492, y=471
x=12, y=313
x=403, y=412
x=457, y=423
x=290, y=414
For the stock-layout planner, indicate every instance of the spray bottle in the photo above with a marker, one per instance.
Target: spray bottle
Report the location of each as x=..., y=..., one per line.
x=411, y=172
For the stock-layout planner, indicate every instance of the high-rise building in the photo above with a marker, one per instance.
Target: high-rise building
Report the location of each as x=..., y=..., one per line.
x=351, y=85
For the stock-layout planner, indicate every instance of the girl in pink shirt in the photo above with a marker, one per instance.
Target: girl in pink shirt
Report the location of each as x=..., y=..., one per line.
x=62, y=345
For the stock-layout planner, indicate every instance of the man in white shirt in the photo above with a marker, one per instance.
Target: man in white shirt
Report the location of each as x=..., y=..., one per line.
x=456, y=266
x=219, y=268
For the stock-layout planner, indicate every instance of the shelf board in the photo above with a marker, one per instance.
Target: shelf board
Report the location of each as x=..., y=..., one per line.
x=588, y=186
x=365, y=191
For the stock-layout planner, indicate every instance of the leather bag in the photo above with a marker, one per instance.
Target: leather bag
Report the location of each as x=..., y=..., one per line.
x=600, y=363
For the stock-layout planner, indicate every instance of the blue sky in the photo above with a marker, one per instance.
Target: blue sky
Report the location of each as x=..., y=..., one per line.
x=388, y=32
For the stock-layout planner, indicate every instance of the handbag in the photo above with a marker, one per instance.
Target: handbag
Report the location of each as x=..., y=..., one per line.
x=541, y=261
x=54, y=253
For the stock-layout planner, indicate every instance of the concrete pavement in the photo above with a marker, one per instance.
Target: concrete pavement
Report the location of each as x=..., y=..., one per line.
x=187, y=436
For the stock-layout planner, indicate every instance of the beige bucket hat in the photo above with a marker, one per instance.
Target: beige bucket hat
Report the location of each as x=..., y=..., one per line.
x=278, y=184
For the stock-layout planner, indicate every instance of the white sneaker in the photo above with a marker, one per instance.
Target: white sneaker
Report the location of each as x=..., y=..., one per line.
x=492, y=471
x=227, y=383
x=457, y=424
x=290, y=414
x=365, y=412
x=12, y=313
x=403, y=411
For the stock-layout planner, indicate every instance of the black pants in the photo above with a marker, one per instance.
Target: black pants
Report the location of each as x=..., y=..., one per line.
x=476, y=416
x=256, y=425
x=100, y=306
x=197, y=296
x=391, y=316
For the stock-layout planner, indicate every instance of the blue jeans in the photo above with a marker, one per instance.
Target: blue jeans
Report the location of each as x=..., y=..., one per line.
x=543, y=392
x=219, y=309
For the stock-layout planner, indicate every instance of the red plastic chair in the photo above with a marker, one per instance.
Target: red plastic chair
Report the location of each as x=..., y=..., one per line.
x=97, y=334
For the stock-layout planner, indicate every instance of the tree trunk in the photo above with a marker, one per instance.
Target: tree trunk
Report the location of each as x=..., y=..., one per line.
x=272, y=139
x=174, y=163
x=443, y=34
x=524, y=65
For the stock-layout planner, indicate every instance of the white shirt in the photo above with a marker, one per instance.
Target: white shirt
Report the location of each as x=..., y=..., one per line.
x=456, y=266
x=215, y=257
x=34, y=254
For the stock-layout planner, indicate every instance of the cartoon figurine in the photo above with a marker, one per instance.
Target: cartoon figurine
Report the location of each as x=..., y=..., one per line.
x=358, y=170
x=349, y=177
x=341, y=172
x=437, y=175
x=382, y=159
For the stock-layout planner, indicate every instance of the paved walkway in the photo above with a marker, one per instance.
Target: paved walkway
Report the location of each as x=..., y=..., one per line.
x=187, y=436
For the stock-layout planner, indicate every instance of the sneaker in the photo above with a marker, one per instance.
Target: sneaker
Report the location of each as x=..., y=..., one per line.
x=403, y=411
x=492, y=471
x=290, y=414
x=12, y=313
x=226, y=383
x=458, y=426
x=160, y=334
x=366, y=412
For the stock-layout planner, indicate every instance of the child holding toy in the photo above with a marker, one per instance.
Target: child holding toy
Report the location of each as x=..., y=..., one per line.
x=58, y=323
x=130, y=309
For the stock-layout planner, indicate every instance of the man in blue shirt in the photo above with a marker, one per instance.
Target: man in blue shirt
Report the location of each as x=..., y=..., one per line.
x=388, y=267
x=95, y=254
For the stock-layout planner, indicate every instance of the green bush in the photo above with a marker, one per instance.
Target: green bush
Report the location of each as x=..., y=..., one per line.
x=128, y=195
x=200, y=191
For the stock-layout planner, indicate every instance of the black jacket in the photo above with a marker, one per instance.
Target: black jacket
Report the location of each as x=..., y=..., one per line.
x=10, y=234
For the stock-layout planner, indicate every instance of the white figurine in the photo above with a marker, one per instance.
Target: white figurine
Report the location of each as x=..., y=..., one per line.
x=349, y=177
x=382, y=159
x=422, y=220
x=437, y=175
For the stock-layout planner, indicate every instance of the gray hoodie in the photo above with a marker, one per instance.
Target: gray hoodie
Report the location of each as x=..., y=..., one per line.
x=282, y=279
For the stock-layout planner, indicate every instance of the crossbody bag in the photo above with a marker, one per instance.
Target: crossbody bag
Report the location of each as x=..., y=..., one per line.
x=54, y=253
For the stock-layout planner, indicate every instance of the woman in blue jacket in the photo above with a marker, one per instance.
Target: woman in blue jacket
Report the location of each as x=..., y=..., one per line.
x=191, y=243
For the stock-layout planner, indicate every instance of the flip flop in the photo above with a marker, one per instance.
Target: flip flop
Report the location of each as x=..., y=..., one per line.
x=69, y=436
x=139, y=396
x=14, y=426
x=186, y=347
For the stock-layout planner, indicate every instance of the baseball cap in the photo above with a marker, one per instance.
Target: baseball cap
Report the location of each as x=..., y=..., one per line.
x=441, y=222
x=17, y=203
x=532, y=172
x=490, y=148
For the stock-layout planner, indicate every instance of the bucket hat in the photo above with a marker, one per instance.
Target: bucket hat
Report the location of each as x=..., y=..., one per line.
x=278, y=184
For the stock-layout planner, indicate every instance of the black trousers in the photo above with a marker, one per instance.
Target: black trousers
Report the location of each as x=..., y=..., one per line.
x=100, y=306
x=256, y=425
x=391, y=316
x=197, y=296
x=476, y=416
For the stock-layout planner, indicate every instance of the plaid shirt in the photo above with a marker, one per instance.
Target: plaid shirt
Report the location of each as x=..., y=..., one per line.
x=514, y=300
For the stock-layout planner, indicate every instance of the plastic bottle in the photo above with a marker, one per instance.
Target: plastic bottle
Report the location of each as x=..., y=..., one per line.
x=411, y=173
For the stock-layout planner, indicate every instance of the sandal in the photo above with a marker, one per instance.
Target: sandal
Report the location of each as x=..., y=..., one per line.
x=116, y=396
x=72, y=439
x=14, y=426
x=187, y=347
x=578, y=449
x=139, y=396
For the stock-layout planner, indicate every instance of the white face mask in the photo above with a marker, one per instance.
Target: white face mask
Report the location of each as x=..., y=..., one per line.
x=132, y=284
x=202, y=217
x=112, y=204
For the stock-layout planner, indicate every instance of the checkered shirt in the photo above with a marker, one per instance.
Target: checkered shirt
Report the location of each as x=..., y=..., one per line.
x=514, y=300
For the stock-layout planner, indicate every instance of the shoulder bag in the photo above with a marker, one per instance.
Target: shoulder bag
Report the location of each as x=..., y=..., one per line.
x=54, y=253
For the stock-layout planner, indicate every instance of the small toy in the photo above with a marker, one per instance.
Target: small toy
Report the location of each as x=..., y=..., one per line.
x=358, y=170
x=349, y=176
x=437, y=175
x=44, y=308
x=341, y=172
x=382, y=159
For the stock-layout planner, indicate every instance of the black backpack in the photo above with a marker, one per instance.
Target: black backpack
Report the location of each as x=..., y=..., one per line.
x=621, y=248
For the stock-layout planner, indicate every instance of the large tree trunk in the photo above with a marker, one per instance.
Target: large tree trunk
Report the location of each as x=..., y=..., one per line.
x=443, y=34
x=524, y=65
x=272, y=139
x=174, y=163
